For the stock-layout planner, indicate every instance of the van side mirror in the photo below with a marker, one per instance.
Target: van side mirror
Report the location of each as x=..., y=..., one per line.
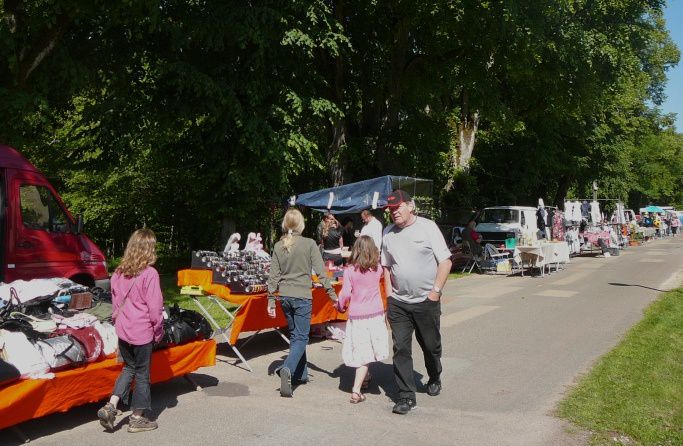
x=79, y=224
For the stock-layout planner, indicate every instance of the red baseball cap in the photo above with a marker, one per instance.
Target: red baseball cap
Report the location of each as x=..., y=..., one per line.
x=397, y=197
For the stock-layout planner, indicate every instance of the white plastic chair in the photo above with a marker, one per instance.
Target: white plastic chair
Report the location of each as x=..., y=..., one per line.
x=492, y=255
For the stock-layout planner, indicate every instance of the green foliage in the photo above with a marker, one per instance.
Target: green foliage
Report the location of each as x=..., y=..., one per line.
x=183, y=115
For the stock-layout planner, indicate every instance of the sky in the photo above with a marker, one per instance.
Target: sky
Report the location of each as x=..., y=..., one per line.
x=674, y=88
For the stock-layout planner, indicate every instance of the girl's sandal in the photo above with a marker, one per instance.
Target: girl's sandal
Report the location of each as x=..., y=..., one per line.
x=356, y=397
x=366, y=382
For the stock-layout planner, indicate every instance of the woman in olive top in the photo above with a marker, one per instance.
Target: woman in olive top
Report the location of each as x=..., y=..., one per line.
x=293, y=259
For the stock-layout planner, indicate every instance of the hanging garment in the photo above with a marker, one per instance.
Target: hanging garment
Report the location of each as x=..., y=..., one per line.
x=558, y=226
x=541, y=215
x=577, y=212
x=595, y=213
x=585, y=210
x=572, y=238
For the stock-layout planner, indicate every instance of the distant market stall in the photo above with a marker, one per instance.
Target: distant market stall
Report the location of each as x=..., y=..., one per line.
x=367, y=194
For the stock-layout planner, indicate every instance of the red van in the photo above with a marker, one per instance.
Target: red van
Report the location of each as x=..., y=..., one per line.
x=38, y=236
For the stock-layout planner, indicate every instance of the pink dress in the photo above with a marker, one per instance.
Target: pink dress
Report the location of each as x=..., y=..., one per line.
x=367, y=338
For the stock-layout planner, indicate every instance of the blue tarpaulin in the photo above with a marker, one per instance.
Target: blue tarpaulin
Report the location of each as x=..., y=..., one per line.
x=368, y=194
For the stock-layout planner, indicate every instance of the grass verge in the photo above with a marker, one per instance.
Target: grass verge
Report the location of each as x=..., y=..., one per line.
x=171, y=293
x=634, y=394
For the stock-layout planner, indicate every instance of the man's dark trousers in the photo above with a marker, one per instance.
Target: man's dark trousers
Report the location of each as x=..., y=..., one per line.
x=424, y=319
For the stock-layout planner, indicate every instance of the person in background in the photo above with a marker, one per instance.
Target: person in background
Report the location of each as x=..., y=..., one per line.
x=675, y=223
x=416, y=263
x=137, y=316
x=367, y=338
x=666, y=223
x=657, y=224
x=348, y=236
x=321, y=226
x=293, y=259
x=470, y=235
x=332, y=237
x=371, y=227
x=646, y=221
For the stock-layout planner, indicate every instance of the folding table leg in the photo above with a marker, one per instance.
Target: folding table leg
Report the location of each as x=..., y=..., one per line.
x=222, y=330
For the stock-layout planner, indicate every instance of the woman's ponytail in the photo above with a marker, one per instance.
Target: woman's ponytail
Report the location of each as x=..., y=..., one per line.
x=292, y=224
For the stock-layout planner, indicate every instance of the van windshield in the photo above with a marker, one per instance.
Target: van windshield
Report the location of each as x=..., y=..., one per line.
x=499, y=216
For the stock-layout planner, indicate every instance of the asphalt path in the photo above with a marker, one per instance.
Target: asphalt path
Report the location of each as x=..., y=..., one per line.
x=512, y=347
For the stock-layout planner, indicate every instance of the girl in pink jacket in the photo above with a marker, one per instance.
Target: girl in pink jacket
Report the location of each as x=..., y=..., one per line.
x=137, y=315
x=367, y=338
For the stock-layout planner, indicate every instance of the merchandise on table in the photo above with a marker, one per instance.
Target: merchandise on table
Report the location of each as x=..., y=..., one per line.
x=241, y=271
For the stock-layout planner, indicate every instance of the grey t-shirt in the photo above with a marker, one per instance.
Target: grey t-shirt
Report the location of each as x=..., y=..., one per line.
x=412, y=254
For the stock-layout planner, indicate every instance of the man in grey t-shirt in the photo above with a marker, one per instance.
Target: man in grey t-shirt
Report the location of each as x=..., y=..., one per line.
x=416, y=263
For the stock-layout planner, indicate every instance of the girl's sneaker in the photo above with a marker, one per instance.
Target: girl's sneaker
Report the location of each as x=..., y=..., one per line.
x=141, y=424
x=107, y=416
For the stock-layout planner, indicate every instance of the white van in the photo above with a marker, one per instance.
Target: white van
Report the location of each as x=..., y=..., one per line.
x=495, y=224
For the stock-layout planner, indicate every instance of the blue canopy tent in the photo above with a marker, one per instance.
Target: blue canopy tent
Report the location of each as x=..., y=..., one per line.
x=367, y=194
x=655, y=209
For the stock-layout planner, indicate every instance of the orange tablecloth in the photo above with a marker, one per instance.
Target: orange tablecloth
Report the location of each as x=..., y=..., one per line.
x=252, y=315
x=202, y=277
x=33, y=398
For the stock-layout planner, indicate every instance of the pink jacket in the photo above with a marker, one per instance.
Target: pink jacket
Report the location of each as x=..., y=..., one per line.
x=360, y=291
x=139, y=320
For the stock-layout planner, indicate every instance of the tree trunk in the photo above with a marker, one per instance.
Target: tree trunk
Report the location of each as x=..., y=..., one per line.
x=393, y=94
x=335, y=151
x=43, y=46
x=467, y=131
x=562, y=188
x=463, y=146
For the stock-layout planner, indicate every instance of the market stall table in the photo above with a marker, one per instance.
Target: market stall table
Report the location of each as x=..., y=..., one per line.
x=34, y=398
x=251, y=314
x=540, y=256
x=592, y=238
x=646, y=232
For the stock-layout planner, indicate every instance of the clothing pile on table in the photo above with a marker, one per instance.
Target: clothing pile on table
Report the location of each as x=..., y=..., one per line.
x=48, y=325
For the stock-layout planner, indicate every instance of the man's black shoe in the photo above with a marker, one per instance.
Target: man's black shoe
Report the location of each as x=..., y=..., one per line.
x=404, y=406
x=434, y=388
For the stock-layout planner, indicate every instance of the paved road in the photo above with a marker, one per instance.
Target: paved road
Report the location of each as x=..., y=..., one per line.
x=512, y=346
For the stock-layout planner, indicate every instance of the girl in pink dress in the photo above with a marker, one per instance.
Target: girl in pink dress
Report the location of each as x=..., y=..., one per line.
x=367, y=338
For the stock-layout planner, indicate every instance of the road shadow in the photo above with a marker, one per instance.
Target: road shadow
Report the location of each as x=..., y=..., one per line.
x=165, y=396
x=382, y=381
x=640, y=286
x=250, y=347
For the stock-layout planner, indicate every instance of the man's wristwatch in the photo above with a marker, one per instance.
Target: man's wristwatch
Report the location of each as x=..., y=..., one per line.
x=437, y=290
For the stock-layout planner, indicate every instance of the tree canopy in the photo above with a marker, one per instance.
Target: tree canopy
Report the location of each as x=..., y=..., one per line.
x=182, y=115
